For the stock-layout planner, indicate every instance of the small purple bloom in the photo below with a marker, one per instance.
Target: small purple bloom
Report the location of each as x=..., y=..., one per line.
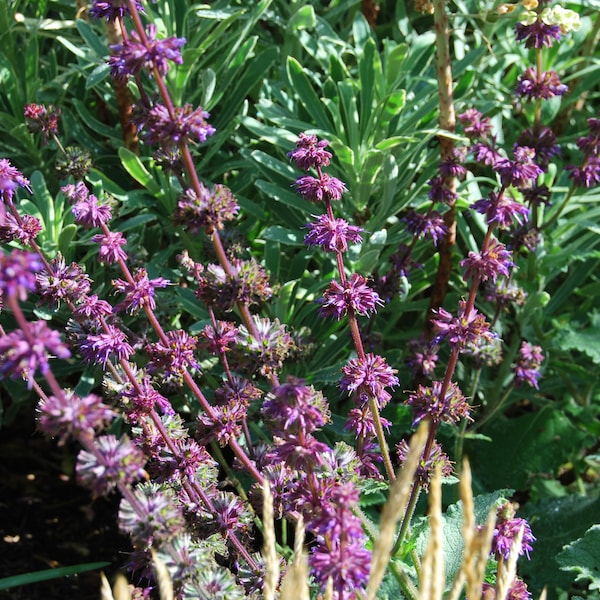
x=209, y=211
x=422, y=225
x=187, y=124
x=475, y=125
x=175, y=356
x=462, y=331
x=64, y=283
x=310, y=152
x=140, y=292
x=507, y=528
x=540, y=86
x=110, y=246
x=496, y=260
x=11, y=179
x=22, y=354
x=543, y=141
x=426, y=468
x=527, y=368
x=427, y=403
x=332, y=235
x=69, y=415
x=100, y=348
x=114, y=462
x=24, y=231
x=220, y=341
x=112, y=10
x=453, y=166
x=18, y=273
x=134, y=55
x=91, y=307
x=485, y=153
x=325, y=188
x=356, y=296
x=87, y=210
x=538, y=34
x=41, y=119
x=440, y=192
x=588, y=174
x=368, y=377
x=520, y=172
x=501, y=209
x=141, y=400
x=361, y=423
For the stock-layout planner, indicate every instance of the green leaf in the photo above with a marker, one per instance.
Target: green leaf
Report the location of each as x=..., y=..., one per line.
x=289, y=237
x=134, y=166
x=452, y=529
x=583, y=340
x=65, y=238
x=555, y=523
x=98, y=75
x=35, y=576
x=309, y=98
x=583, y=557
x=91, y=38
x=303, y=18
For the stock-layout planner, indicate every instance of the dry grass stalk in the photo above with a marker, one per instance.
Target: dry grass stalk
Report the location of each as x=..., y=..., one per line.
x=269, y=548
x=163, y=578
x=120, y=591
x=507, y=570
x=392, y=512
x=294, y=585
x=432, y=579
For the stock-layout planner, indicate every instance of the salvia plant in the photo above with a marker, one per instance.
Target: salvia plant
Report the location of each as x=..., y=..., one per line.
x=294, y=238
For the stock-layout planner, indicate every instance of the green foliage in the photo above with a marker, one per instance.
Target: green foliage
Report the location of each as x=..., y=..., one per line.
x=583, y=557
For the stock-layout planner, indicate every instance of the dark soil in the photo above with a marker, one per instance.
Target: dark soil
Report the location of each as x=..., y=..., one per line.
x=48, y=521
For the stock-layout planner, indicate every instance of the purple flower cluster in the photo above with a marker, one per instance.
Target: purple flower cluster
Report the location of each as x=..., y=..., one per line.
x=136, y=54
x=11, y=179
x=588, y=174
x=208, y=211
x=355, y=296
x=427, y=403
x=42, y=119
x=462, y=331
x=139, y=292
x=527, y=369
x=112, y=10
x=506, y=530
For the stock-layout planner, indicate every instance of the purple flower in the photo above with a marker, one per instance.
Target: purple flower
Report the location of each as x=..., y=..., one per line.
x=423, y=356
x=139, y=292
x=266, y=350
x=462, y=331
x=588, y=174
x=426, y=468
x=527, y=368
x=507, y=528
x=187, y=124
x=18, y=273
x=156, y=518
x=294, y=406
x=543, y=141
x=100, y=348
x=223, y=425
x=427, y=403
x=544, y=85
x=174, y=356
x=112, y=10
x=42, y=119
x=356, y=296
x=333, y=235
x=538, y=34
x=485, y=153
x=368, y=377
x=210, y=211
x=453, y=166
x=501, y=209
x=310, y=152
x=440, y=192
x=11, y=179
x=87, y=209
x=220, y=341
x=520, y=172
x=112, y=463
x=133, y=55
x=142, y=399
x=91, y=307
x=64, y=283
x=361, y=423
x=496, y=260
x=325, y=188
x=23, y=353
x=475, y=125
x=69, y=415
x=420, y=225
x=110, y=246
x=590, y=144
x=24, y=231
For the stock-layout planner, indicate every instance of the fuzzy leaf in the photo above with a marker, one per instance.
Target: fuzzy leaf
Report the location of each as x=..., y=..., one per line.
x=583, y=557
